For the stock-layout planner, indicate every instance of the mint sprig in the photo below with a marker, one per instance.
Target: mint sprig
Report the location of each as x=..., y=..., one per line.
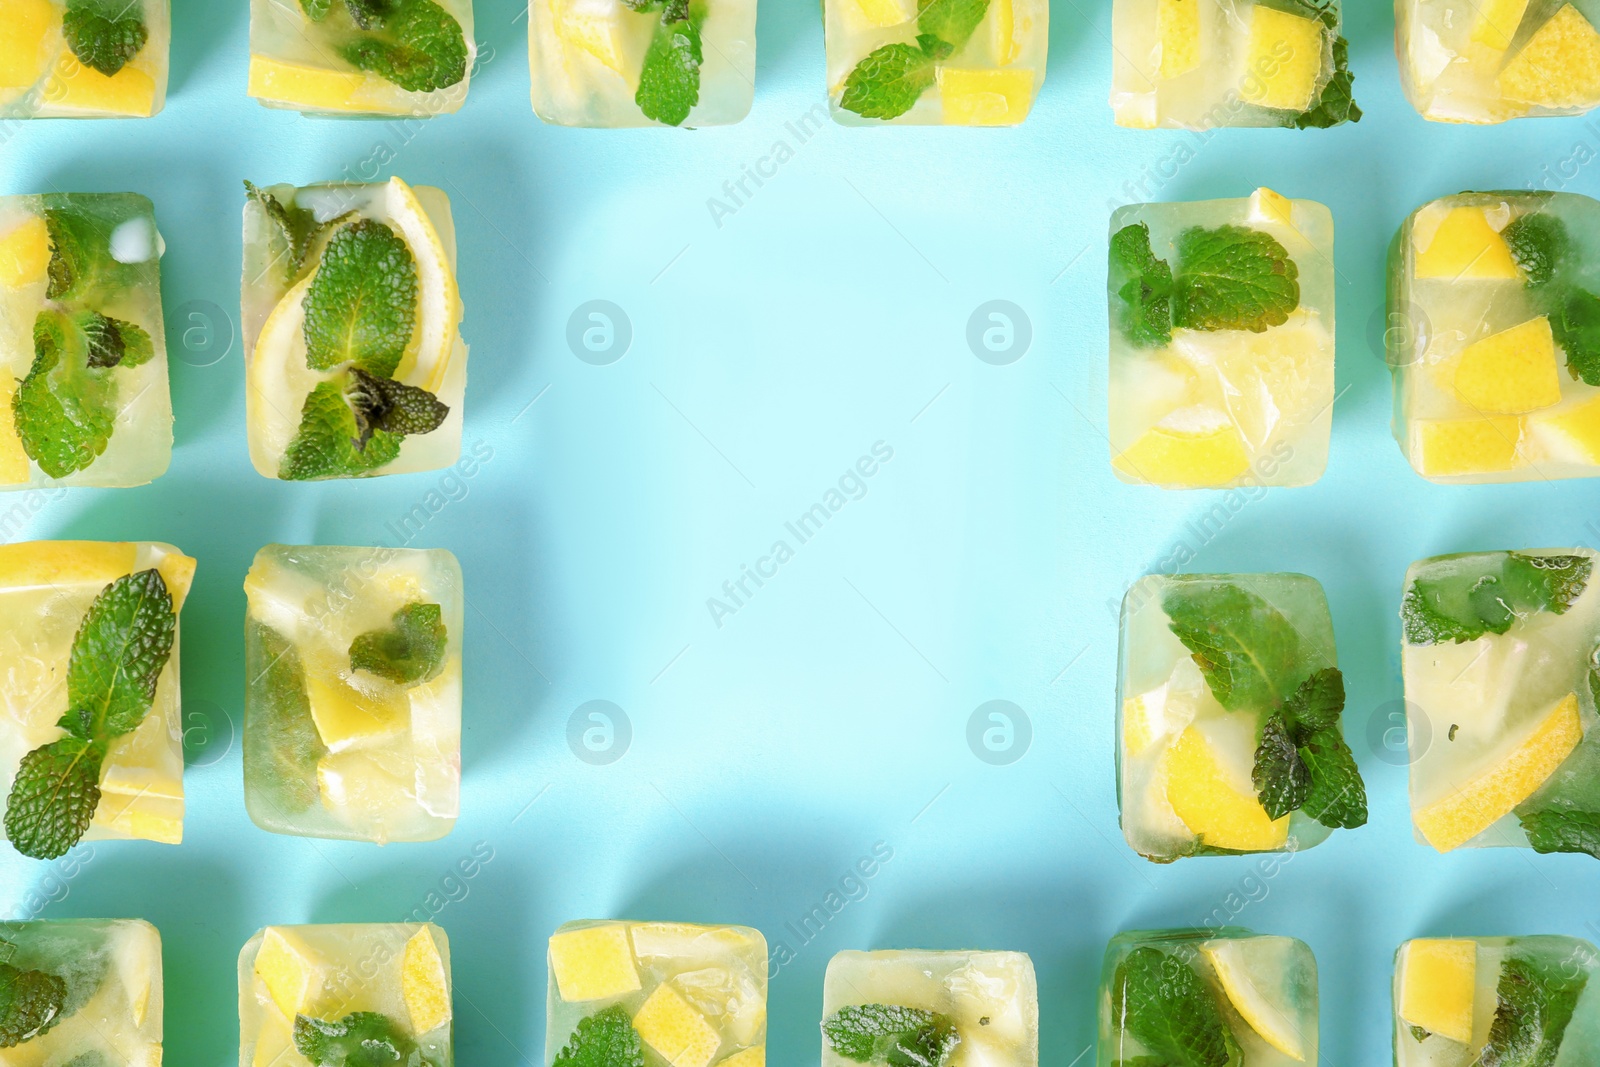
x=416, y=44
x=1489, y=597
x=411, y=650
x=31, y=1003
x=297, y=227
x=104, y=34
x=1248, y=652
x=1336, y=103
x=1161, y=1001
x=605, y=1039
x=1141, y=285
x=891, y=1034
x=325, y=444
x=1303, y=763
x=118, y=653
x=1534, y=1003
x=1227, y=278
x=64, y=410
x=890, y=80
x=361, y=307
x=669, y=82
x=360, y=1039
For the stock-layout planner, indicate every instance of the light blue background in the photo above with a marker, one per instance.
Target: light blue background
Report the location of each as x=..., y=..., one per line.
x=830, y=713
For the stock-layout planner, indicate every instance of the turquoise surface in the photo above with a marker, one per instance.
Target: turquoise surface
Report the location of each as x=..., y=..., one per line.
x=828, y=716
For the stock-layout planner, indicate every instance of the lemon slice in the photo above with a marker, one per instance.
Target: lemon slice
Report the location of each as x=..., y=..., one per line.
x=1247, y=967
x=279, y=380
x=277, y=82
x=425, y=982
x=438, y=297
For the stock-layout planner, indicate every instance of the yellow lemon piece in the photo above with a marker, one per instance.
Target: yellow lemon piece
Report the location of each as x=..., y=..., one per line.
x=1512, y=371
x=140, y=801
x=755, y=1056
x=36, y=563
x=14, y=469
x=1003, y=41
x=1250, y=971
x=593, y=962
x=881, y=14
x=1285, y=60
x=1438, y=982
x=1178, y=26
x=1473, y=807
x=438, y=296
x=1464, y=246
x=424, y=982
x=1497, y=22
x=598, y=27
x=278, y=380
x=1141, y=717
x=1572, y=433
x=24, y=24
x=345, y=715
x=177, y=571
x=130, y=91
x=667, y=1023
x=1214, y=809
x=1176, y=456
x=319, y=89
x=1444, y=448
x=25, y=254
x=1559, y=67
x=274, y=1043
x=288, y=968
x=985, y=97
x=1268, y=206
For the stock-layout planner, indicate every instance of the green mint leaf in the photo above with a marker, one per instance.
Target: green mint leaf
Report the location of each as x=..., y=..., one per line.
x=325, y=444
x=888, y=82
x=316, y=10
x=1245, y=648
x=421, y=49
x=669, y=84
x=1336, y=104
x=64, y=410
x=360, y=1039
x=1281, y=778
x=121, y=647
x=411, y=650
x=297, y=226
x=1533, y=1005
x=370, y=14
x=1562, y=830
x=31, y=1002
x=1141, y=1061
x=1142, y=284
x=1317, y=704
x=362, y=304
x=1337, y=797
x=1234, y=278
x=385, y=404
x=1465, y=606
x=605, y=1039
x=54, y=796
x=112, y=342
x=1575, y=321
x=1159, y=999
x=951, y=21
x=104, y=34
x=79, y=249
x=1539, y=242
x=1546, y=583
x=281, y=743
x=891, y=1034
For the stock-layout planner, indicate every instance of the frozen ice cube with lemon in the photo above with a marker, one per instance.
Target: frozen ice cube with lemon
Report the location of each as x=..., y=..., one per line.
x=409, y=58
x=346, y=993
x=630, y=63
x=1220, y=996
x=1484, y=61
x=1229, y=735
x=83, y=355
x=91, y=735
x=691, y=994
x=80, y=991
x=1201, y=64
x=1222, y=330
x=937, y=1007
x=354, y=362
x=352, y=718
x=1501, y=659
x=972, y=64
x=83, y=58
x=1460, y=1002
x=1494, y=337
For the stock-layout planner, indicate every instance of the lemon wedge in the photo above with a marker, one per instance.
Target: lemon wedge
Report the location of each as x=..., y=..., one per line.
x=1247, y=968
x=278, y=380
x=438, y=296
x=425, y=982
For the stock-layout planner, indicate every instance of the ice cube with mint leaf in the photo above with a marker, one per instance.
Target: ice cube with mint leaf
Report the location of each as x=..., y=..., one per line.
x=84, y=398
x=411, y=58
x=1219, y=997
x=935, y=1008
x=935, y=62
x=354, y=363
x=1203, y=64
x=616, y=63
x=352, y=715
x=1221, y=342
x=1499, y=657
x=1494, y=337
x=1230, y=731
x=84, y=58
x=80, y=991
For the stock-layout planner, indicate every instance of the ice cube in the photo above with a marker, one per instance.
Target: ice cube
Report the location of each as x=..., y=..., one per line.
x=1499, y=662
x=1494, y=380
x=986, y=1002
x=610, y=63
x=352, y=723
x=1196, y=711
x=1200, y=64
x=1250, y=999
x=83, y=355
x=115, y=69
x=339, y=64
x=1207, y=391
